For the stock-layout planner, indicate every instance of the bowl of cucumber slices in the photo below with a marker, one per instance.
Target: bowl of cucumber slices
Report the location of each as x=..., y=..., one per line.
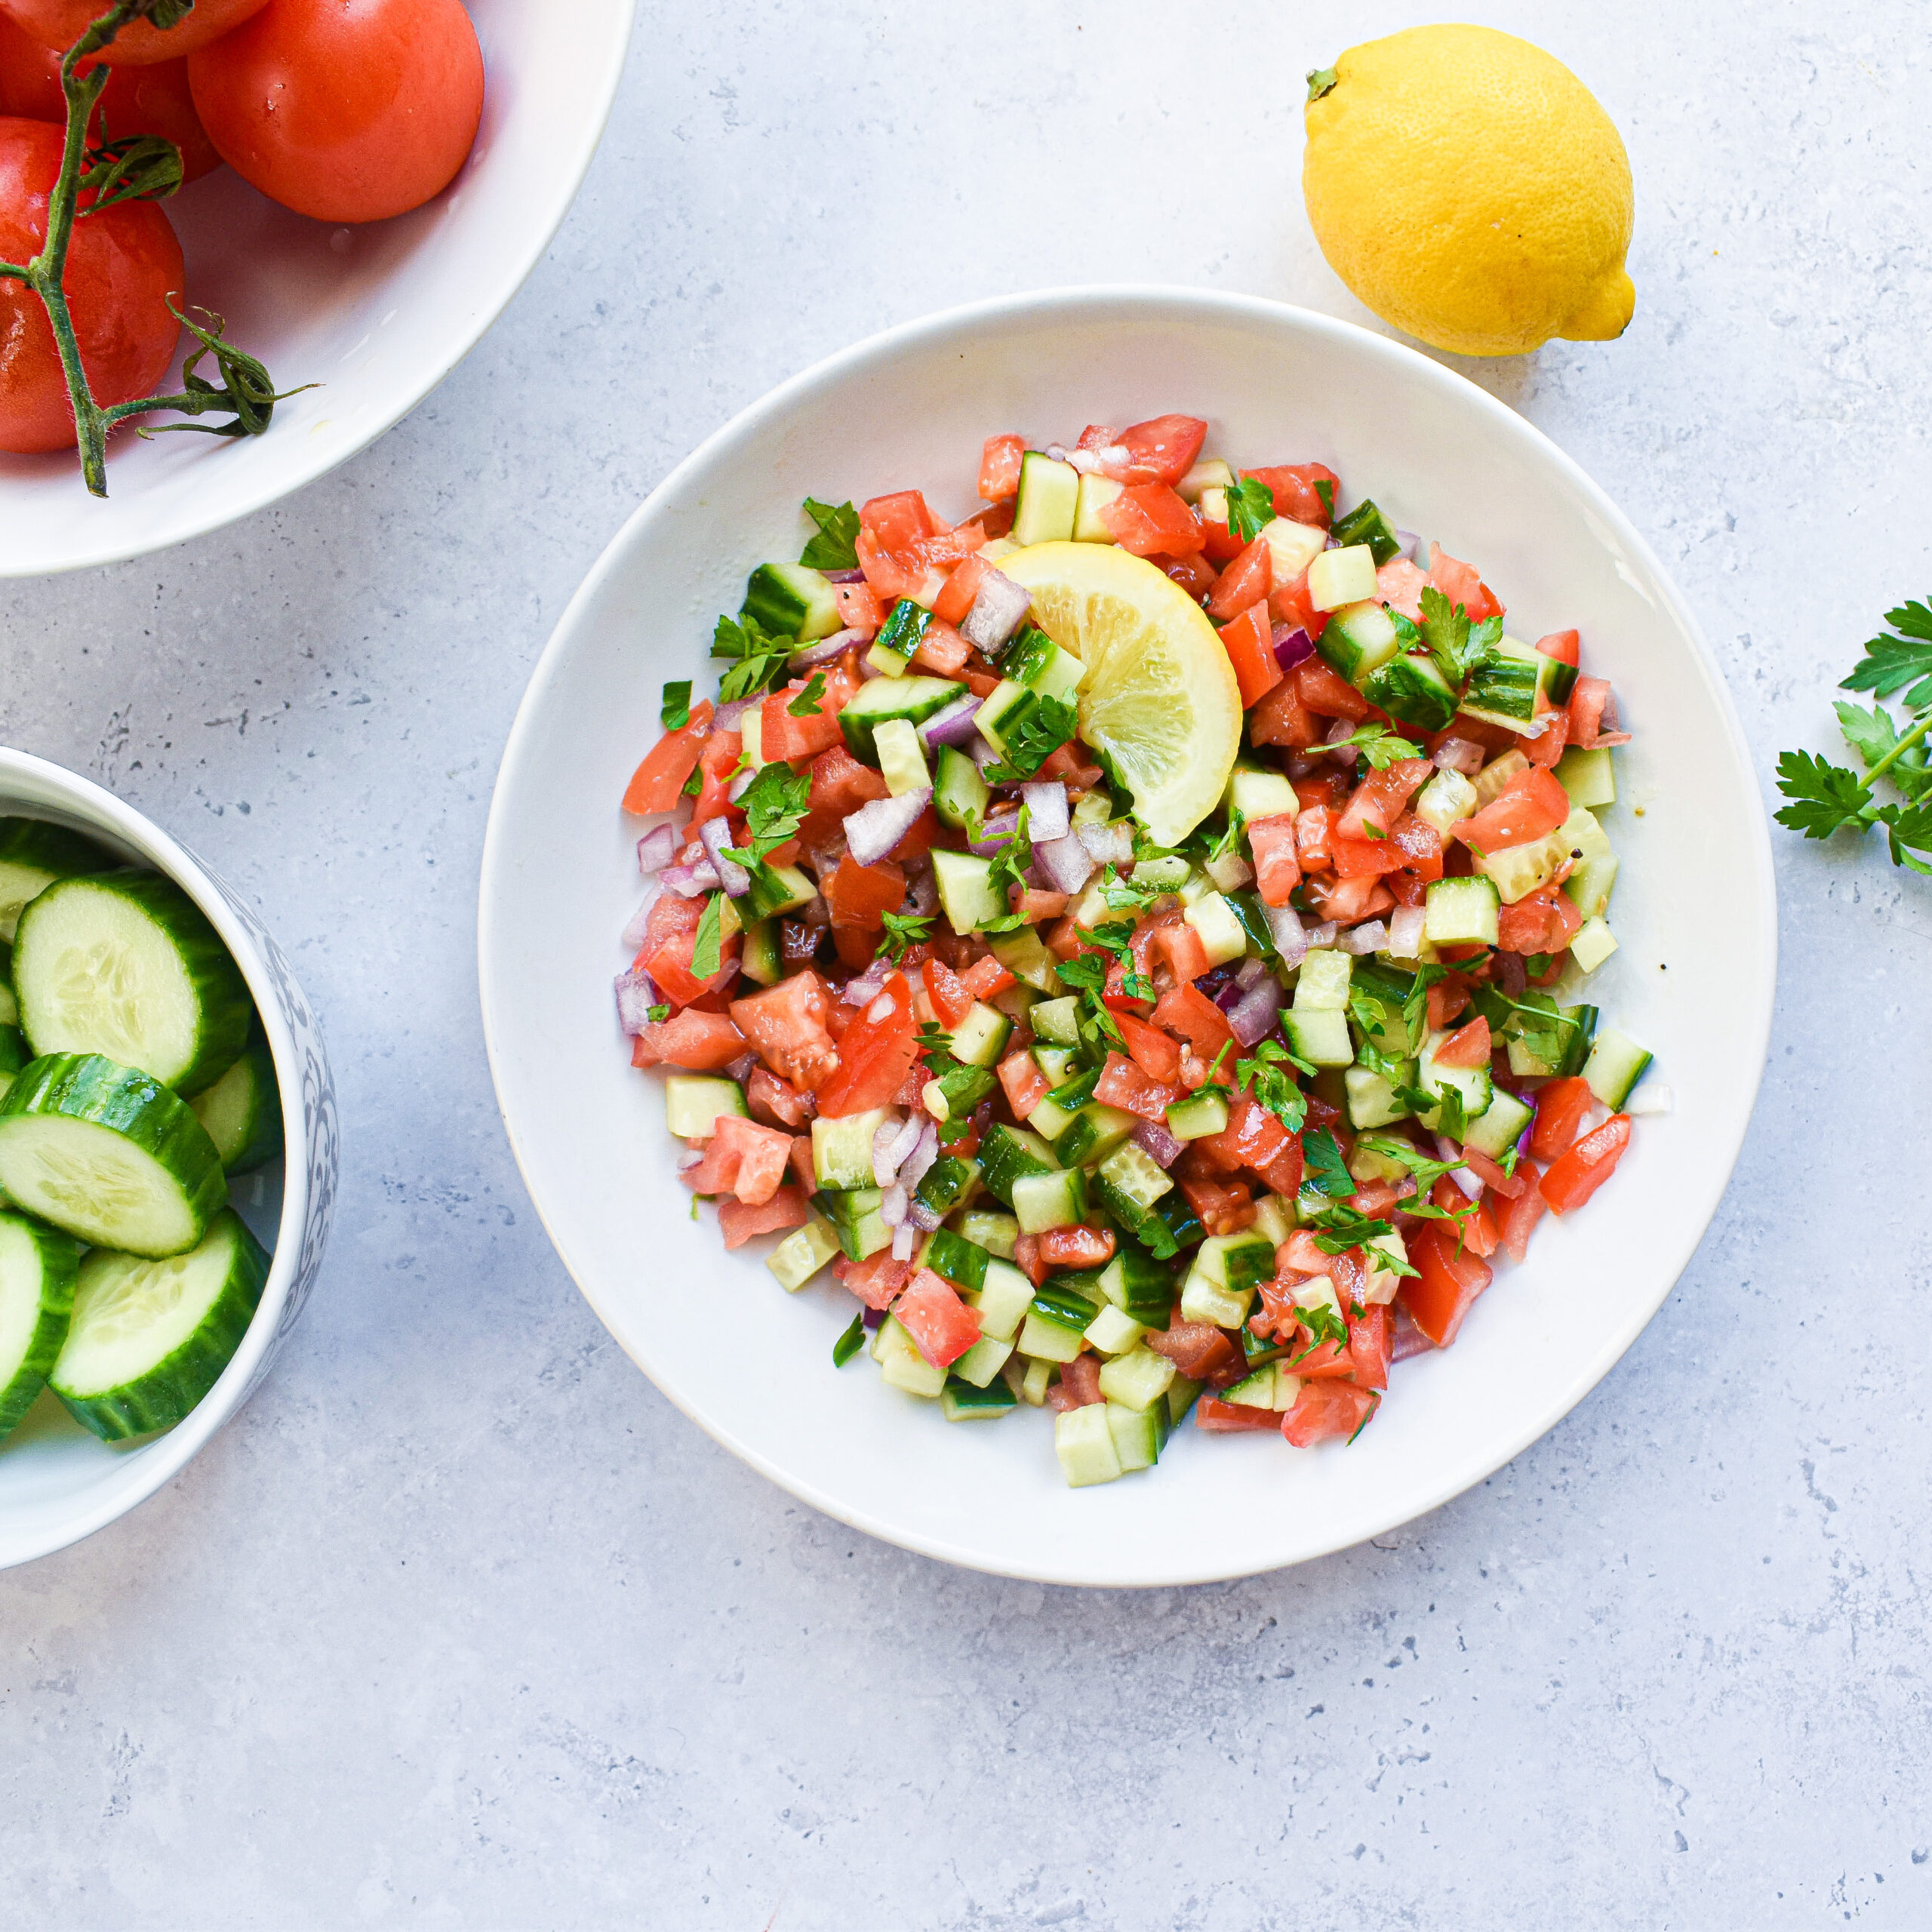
x=167, y=1155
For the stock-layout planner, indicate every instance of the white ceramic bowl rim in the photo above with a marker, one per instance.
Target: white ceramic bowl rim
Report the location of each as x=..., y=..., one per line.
x=1131, y=301
x=166, y=1455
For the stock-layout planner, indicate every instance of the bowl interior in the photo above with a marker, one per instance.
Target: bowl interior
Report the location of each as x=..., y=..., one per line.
x=376, y=316
x=1692, y=909
x=58, y=1482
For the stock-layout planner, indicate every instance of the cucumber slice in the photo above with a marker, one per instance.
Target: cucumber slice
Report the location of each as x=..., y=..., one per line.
x=149, y=1338
x=1049, y=495
x=9, y=1010
x=1412, y=689
x=38, y=1264
x=1365, y=523
x=13, y=1055
x=242, y=1111
x=33, y=854
x=793, y=600
x=108, y=1154
x=913, y=698
x=1359, y=638
x=125, y=964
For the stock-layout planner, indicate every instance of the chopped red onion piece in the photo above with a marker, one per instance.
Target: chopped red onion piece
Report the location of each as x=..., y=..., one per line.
x=925, y=1219
x=1290, y=937
x=872, y=831
x=716, y=836
x=892, y=1141
x=690, y=1157
x=635, y=995
x=1408, y=1340
x=922, y=896
x=1293, y=646
x=1066, y=862
x=1251, y=970
x=742, y=1068
x=1407, y=544
x=824, y=651
x=925, y=1152
x=1447, y=1149
x=1371, y=936
x=1323, y=934
x=1405, y=932
x=634, y=934
x=1510, y=976
x=1154, y=1140
x=864, y=988
x=905, y=1238
x=728, y=715
x=658, y=847
x=691, y=881
x=1460, y=754
x=1253, y=1016
x=995, y=834
x=999, y=608
x=1337, y=731
x=953, y=726
x=892, y=1209
x=981, y=751
x=1108, y=844
x=1045, y=801
x=843, y=576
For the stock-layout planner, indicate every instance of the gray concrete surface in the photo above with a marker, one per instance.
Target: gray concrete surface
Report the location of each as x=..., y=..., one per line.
x=461, y=1624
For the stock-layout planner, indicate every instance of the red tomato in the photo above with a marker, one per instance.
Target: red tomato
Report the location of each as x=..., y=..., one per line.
x=743, y=1158
x=1327, y=1411
x=59, y=23
x=950, y=1001
x=1221, y=1418
x=1247, y=580
x=858, y=608
x=1165, y=447
x=1253, y=1137
x=1460, y=585
x=1549, y=744
x=986, y=979
x=1223, y=1211
x=1400, y=585
x=953, y=602
x=29, y=76
x=942, y=1327
x=1291, y=604
x=942, y=650
x=876, y=1055
x=877, y=1280
x=1421, y=845
x=345, y=110
x=659, y=783
x=1023, y=1083
x=1363, y=858
x=737, y=1222
x=1532, y=804
x=1194, y=574
x=1326, y=693
x=717, y=761
x=1516, y=1219
x=1156, y=1054
x=1077, y=1247
x=1124, y=1084
x=1545, y=921
x=1577, y=1175
x=122, y=265
x=775, y=1102
x=1508, y=1186
x=1564, y=646
x=841, y=784
x=860, y=896
x=1148, y=519
x=1249, y=642
x=1314, y=831
x=1200, y=1352
x=1281, y=718
x=1468, y=1046
x=1447, y=1283
x=1587, y=708
x=1078, y=1386
x=785, y=1025
x=702, y=1041
x=999, y=468
x=1292, y=487
x=1379, y=799
x=1371, y=1335
x=899, y=520
x=1189, y=1013
x=1561, y=1107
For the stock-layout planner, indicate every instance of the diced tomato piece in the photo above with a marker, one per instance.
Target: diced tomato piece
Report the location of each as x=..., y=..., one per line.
x=1281, y=718
x=1078, y=1246
x=1531, y=805
x=755, y=1157
x=658, y=784
x=986, y=978
x=1508, y=1186
x=1292, y=487
x=1293, y=604
x=1249, y=643
x=1194, y=573
x=942, y=650
x=1575, y=1176
x=782, y=734
x=1148, y=519
x=774, y=1100
x=1564, y=646
x=1313, y=832
x=878, y=1280
x=738, y=1222
x=1247, y=580
x=703, y=1041
x=1447, y=1283
x=1364, y=858
x=841, y=784
x=1189, y=1013
x=1468, y=1046
x=1550, y=744
x=999, y=468
x=1027, y=1257
x=716, y=762
x=861, y=896
x=942, y=1327
x=1460, y=585
x=1420, y=845
x=1220, y=1418
x=1327, y=1411
x=1124, y=1084
x=1079, y=1384
x=950, y=1001
x=1516, y=1220
x=1283, y=1173
x=1326, y=693
x=1223, y=1211
x=1379, y=799
x=1448, y=998
x=1023, y=1083
x=876, y=1055
x=670, y=966
x=892, y=574
x=1588, y=697
x=1371, y=1333
x=962, y=587
x=1182, y=948
x=858, y=608
x=1277, y=869
x=1349, y=901
x=1323, y=1360
x=1098, y=436
x=901, y=520
x=1545, y=921
x=1253, y=1137
x=1400, y=585
x=1034, y=905
x=785, y=1025
x=1163, y=449
x=1200, y=1351
x=1561, y=1107
x=1156, y=1052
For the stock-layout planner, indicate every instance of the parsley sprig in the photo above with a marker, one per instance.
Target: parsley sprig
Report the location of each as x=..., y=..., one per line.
x=1265, y=1074
x=1827, y=797
x=1328, y=1172
x=760, y=657
x=1032, y=737
x=836, y=547
x=903, y=930
x=774, y=805
x=1250, y=506
x=1379, y=744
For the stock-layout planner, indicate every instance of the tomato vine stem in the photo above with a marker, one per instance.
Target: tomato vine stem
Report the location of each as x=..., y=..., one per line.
x=143, y=168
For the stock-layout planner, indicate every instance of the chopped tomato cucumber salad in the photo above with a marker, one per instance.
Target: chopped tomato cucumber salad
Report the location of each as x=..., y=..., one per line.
x=1136, y=938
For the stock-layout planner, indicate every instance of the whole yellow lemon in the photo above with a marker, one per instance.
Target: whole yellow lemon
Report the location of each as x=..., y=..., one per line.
x=1470, y=189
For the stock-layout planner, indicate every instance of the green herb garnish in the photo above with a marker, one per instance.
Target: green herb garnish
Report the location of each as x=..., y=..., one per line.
x=836, y=547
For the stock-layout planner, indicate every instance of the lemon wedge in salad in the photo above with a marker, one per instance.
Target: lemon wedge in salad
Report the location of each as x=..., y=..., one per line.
x=1159, y=697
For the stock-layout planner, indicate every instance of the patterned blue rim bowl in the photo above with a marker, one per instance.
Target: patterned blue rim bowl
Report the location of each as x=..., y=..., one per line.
x=58, y=1485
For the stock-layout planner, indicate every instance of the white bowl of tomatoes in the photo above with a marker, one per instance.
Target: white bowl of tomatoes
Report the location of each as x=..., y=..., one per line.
x=365, y=192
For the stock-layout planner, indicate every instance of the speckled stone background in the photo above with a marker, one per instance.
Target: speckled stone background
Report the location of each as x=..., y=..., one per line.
x=460, y=1623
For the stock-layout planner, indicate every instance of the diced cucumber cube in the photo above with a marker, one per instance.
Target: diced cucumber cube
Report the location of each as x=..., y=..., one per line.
x=1048, y=1340
x=1008, y=1152
x=899, y=638
x=793, y=600
x=914, y=700
x=1372, y=1101
x=1324, y=984
x=1209, y=472
x=778, y=890
x=1292, y=547
x=1034, y=660
x=1447, y=798
x=966, y=890
x=1357, y=639
x=1590, y=886
x=1497, y=774
x=983, y=1361
x=1383, y=1282
x=1137, y=1174
x=1344, y=576
x=1260, y=794
x=751, y=736
x=1502, y=689
x=1136, y=1433
x=1472, y=1084
x=1588, y=776
x=1094, y=1132
x=997, y=1233
x=1274, y=1219
x=1056, y=1019
x=1321, y=1037
x=1517, y=871
x=1221, y=936
x=1615, y=1065
x=1043, y=1201
x=1461, y=912
x=1113, y=1331
x=1200, y=1114
x=1593, y=944
x=1138, y=1285
x=802, y=1253
x=947, y=1184
x=962, y=1262
x=962, y=1401
x=1034, y=1381
x=693, y=1102
x=1254, y=1391
x=1203, y=1299
x=1005, y=1296
x=1095, y=493
x=1084, y=1442
x=1409, y=687
x=1043, y=513
x=1500, y=1126
x=981, y=1036
x=901, y=1364
x=1365, y=523
x=1136, y=1380
x=1050, y=1120
x=842, y=1149
x=762, y=960
x=959, y=795
x=1181, y=1397
x=901, y=760
x=1022, y=953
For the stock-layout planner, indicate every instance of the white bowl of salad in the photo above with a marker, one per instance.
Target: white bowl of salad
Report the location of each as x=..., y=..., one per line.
x=167, y=1156
x=1179, y=881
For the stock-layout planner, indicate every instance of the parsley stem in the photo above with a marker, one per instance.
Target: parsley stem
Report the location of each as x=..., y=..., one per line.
x=1905, y=744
